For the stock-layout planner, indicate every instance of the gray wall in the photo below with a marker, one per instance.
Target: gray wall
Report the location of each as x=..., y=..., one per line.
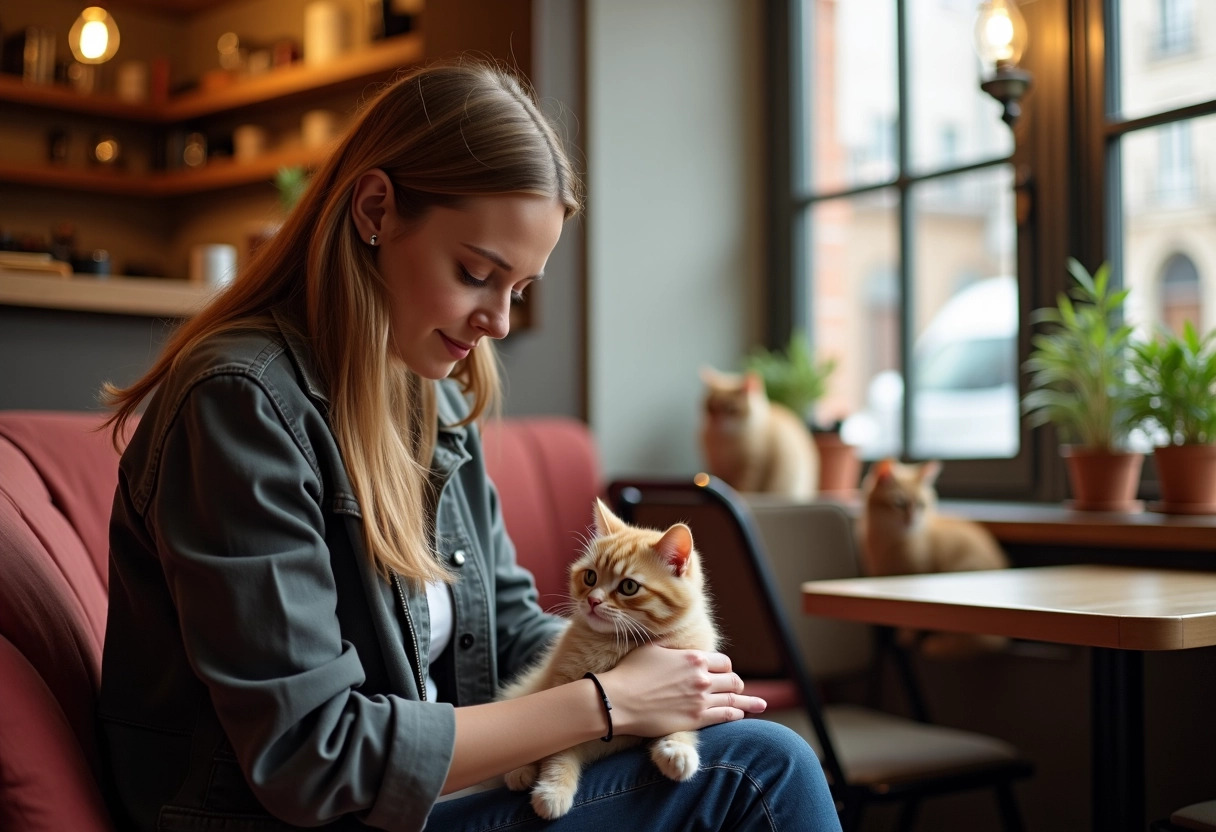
x=674, y=234
x=544, y=365
x=57, y=360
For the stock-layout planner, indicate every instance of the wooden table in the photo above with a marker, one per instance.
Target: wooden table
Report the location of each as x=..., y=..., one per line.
x=1117, y=611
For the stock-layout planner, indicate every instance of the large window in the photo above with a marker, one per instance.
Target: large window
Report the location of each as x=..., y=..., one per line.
x=913, y=237
x=1161, y=145
x=903, y=212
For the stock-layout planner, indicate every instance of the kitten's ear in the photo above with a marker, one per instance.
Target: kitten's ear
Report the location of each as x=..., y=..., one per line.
x=929, y=471
x=606, y=522
x=709, y=375
x=675, y=547
x=884, y=469
x=752, y=382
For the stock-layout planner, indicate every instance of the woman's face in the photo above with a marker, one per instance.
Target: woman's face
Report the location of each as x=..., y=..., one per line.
x=451, y=278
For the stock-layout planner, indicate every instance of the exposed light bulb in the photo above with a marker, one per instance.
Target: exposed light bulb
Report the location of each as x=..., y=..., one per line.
x=1000, y=39
x=1000, y=33
x=94, y=36
x=94, y=39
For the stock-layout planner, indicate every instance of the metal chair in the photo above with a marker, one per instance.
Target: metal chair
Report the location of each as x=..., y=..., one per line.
x=869, y=756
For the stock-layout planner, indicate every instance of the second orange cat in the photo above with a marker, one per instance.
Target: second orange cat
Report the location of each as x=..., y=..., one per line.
x=901, y=532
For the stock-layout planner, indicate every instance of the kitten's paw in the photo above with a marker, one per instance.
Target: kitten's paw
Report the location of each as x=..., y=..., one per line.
x=522, y=778
x=676, y=756
x=551, y=801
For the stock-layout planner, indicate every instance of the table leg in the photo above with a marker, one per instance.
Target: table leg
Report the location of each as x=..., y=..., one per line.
x=1117, y=722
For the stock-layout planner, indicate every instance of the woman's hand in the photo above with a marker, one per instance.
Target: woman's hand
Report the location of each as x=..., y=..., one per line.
x=660, y=690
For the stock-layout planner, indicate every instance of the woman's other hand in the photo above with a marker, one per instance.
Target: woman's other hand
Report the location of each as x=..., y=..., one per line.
x=660, y=690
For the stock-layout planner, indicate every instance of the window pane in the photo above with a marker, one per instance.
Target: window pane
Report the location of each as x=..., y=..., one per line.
x=1168, y=177
x=952, y=122
x=854, y=294
x=850, y=93
x=1167, y=55
x=964, y=358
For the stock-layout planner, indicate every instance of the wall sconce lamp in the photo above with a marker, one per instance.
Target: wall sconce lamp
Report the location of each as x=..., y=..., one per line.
x=94, y=36
x=1000, y=39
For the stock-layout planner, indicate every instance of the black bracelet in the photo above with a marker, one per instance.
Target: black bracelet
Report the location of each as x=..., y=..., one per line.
x=607, y=705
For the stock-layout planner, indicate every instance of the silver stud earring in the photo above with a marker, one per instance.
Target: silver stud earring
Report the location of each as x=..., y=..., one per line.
x=374, y=239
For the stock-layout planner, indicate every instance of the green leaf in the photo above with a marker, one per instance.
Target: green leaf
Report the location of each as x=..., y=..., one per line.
x=1079, y=360
x=793, y=376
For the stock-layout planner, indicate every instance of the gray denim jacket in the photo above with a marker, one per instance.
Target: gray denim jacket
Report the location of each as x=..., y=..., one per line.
x=258, y=674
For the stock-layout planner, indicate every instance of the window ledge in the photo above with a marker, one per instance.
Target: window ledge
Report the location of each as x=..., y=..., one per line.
x=1053, y=524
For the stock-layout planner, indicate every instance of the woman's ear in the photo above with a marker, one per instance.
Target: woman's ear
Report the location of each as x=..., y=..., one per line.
x=372, y=202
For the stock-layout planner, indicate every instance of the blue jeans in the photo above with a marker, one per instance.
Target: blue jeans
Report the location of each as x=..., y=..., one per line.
x=754, y=775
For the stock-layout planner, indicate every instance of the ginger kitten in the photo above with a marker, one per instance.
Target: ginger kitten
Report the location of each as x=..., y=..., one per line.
x=901, y=533
x=754, y=444
x=630, y=586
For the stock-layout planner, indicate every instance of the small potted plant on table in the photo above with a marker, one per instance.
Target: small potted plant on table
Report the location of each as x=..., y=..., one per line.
x=797, y=379
x=1078, y=382
x=1173, y=398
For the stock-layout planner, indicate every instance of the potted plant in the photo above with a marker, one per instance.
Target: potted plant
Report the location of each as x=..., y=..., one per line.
x=1078, y=382
x=1174, y=379
x=795, y=378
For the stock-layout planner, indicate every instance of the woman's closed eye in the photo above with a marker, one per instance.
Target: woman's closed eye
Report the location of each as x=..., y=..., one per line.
x=469, y=279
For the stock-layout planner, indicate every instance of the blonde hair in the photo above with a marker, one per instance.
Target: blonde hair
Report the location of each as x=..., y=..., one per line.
x=441, y=133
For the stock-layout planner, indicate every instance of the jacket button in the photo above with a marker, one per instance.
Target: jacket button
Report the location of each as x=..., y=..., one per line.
x=458, y=557
x=466, y=641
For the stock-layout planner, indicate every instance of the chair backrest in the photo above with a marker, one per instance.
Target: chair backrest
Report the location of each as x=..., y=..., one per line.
x=747, y=602
x=814, y=541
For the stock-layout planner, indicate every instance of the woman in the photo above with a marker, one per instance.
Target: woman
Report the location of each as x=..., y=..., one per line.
x=303, y=512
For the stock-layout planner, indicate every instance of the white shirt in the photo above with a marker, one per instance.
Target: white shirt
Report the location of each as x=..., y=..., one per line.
x=439, y=602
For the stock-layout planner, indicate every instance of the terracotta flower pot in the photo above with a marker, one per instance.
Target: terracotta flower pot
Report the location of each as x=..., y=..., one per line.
x=839, y=465
x=1103, y=480
x=1187, y=474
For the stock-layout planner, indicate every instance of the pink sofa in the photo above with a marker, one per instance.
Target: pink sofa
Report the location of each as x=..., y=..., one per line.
x=57, y=479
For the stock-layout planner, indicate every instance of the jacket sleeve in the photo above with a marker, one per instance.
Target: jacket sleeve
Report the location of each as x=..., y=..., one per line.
x=239, y=522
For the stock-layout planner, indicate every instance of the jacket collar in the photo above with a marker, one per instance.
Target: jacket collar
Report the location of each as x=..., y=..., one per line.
x=301, y=357
x=450, y=447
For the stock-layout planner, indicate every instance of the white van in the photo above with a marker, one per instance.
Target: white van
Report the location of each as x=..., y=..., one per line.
x=966, y=404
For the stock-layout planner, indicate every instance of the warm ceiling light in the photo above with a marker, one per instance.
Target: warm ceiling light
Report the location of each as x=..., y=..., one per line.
x=94, y=36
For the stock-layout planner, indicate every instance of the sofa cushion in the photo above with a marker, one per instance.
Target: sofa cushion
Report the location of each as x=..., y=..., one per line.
x=52, y=605
x=79, y=465
x=45, y=782
x=553, y=459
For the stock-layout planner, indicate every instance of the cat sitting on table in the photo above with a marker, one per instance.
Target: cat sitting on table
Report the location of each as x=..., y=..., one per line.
x=901, y=533
x=630, y=586
x=753, y=444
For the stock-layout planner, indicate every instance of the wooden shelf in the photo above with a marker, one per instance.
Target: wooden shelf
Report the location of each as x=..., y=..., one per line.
x=152, y=296
x=66, y=99
x=217, y=174
x=227, y=173
x=368, y=63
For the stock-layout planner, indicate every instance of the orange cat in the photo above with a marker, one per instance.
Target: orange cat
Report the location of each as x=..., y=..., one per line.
x=754, y=444
x=902, y=533
x=629, y=587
